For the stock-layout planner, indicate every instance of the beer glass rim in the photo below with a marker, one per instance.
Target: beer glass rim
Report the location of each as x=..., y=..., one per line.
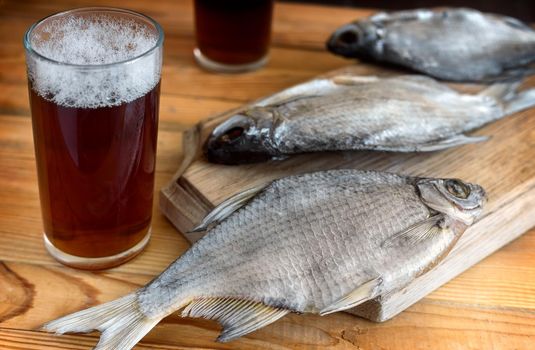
x=159, y=41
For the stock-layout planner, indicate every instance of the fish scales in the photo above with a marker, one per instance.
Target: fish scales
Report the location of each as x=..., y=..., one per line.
x=312, y=243
x=332, y=122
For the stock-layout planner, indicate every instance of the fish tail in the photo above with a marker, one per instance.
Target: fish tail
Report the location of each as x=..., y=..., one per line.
x=512, y=100
x=121, y=322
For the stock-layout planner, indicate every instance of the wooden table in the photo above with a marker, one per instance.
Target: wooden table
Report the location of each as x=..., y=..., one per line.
x=491, y=306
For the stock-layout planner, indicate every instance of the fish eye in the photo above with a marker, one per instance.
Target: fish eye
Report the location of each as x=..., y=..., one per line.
x=348, y=37
x=232, y=134
x=457, y=188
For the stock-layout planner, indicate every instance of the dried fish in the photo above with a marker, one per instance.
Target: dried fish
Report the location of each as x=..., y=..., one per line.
x=458, y=44
x=314, y=243
x=410, y=113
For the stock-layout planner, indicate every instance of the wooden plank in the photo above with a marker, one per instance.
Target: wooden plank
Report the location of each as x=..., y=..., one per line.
x=509, y=213
x=15, y=339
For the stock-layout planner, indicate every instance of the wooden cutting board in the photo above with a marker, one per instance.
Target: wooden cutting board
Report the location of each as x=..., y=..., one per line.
x=504, y=166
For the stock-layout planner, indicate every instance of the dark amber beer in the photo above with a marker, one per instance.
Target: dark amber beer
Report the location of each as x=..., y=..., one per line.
x=232, y=35
x=95, y=122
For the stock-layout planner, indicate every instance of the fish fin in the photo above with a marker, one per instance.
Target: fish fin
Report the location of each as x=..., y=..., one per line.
x=227, y=207
x=360, y=295
x=237, y=316
x=317, y=87
x=354, y=79
x=417, y=232
x=522, y=100
x=453, y=141
x=512, y=100
x=121, y=322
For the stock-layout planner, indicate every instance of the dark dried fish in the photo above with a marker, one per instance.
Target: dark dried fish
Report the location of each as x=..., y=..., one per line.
x=456, y=44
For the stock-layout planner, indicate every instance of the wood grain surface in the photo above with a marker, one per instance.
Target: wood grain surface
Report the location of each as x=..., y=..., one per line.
x=491, y=306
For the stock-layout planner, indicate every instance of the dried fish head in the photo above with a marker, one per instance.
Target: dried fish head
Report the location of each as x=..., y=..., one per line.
x=244, y=138
x=351, y=40
x=459, y=200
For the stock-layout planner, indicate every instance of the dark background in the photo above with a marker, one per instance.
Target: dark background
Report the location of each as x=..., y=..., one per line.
x=522, y=9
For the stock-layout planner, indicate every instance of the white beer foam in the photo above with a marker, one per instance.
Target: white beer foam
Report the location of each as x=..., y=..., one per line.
x=93, y=40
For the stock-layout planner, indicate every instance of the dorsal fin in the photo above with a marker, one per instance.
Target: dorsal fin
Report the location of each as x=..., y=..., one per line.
x=237, y=316
x=363, y=293
x=227, y=207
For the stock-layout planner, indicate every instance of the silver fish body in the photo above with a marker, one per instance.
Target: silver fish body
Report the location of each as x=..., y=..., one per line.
x=318, y=243
x=403, y=114
x=457, y=44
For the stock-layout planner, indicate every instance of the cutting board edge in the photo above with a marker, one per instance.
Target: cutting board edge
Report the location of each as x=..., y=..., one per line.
x=176, y=195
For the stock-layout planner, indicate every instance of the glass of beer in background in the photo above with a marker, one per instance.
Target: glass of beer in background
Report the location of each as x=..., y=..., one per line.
x=94, y=83
x=233, y=35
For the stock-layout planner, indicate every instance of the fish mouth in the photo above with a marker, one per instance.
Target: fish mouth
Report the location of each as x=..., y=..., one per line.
x=235, y=141
x=228, y=157
x=344, y=41
x=238, y=123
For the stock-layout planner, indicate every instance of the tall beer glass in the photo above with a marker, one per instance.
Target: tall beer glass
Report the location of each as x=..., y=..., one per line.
x=94, y=83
